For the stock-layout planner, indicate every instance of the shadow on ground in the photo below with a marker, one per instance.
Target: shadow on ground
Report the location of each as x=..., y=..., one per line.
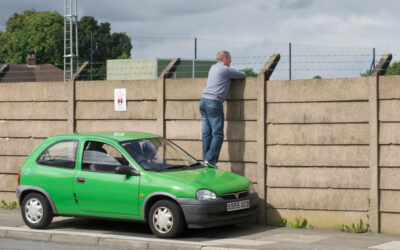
x=137, y=229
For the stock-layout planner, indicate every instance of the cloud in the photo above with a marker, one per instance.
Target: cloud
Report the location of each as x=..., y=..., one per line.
x=295, y=4
x=250, y=29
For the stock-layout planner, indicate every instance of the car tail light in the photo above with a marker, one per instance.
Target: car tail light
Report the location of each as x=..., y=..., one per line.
x=19, y=178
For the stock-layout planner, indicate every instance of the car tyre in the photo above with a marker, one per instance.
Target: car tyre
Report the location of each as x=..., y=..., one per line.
x=166, y=219
x=36, y=211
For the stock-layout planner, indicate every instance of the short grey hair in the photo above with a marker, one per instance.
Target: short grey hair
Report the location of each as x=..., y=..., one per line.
x=222, y=54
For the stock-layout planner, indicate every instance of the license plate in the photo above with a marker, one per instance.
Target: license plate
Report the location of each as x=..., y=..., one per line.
x=237, y=205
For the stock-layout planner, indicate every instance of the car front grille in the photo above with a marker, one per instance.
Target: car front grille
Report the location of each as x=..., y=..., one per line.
x=234, y=196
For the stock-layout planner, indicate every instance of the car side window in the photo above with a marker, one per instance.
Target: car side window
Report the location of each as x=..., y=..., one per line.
x=101, y=157
x=61, y=154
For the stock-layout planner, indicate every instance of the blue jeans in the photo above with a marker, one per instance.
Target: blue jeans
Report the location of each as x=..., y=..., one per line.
x=212, y=129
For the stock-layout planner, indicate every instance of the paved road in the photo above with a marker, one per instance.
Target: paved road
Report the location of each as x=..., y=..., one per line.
x=8, y=244
x=130, y=235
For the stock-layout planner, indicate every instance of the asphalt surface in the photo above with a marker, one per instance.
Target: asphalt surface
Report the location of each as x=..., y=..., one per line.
x=104, y=234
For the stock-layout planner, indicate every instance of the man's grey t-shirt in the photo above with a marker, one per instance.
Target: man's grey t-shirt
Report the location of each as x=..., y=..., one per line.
x=219, y=81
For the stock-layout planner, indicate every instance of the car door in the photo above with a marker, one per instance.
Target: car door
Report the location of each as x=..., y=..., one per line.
x=54, y=173
x=98, y=189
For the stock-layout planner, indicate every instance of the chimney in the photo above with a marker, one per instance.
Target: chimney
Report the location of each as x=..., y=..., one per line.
x=31, y=60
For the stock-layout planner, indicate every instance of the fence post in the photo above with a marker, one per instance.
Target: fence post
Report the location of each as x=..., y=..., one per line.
x=262, y=79
x=382, y=66
x=166, y=73
x=71, y=106
x=290, y=61
x=373, y=90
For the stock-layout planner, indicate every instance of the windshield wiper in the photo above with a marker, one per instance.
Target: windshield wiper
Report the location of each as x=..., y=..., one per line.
x=179, y=166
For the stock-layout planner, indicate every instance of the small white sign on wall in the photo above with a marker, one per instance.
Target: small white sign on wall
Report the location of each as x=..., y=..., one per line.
x=120, y=99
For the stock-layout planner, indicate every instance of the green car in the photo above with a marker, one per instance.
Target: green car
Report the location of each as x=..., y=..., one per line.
x=134, y=176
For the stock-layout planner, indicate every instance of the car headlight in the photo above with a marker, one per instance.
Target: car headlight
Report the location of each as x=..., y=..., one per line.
x=252, y=188
x=205, y=195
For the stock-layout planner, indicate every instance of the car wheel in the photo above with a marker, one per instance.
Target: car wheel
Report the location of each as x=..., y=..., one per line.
x=166, y=219
x=36, y=211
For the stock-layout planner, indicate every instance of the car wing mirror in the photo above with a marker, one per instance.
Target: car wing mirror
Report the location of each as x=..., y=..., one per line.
x=127, y=170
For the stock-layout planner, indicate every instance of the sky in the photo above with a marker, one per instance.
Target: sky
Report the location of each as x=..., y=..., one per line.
x=328, y=38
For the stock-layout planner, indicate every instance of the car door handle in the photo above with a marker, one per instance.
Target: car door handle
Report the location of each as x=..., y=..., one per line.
x=80, y=180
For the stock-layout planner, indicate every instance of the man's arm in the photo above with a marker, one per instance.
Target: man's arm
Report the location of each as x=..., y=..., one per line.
x=235, y=74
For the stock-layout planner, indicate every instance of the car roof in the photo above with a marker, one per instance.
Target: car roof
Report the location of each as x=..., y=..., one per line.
x=118, y=136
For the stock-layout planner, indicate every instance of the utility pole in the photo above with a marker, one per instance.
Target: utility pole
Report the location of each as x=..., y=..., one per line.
x=91, y=56
x=70, y=38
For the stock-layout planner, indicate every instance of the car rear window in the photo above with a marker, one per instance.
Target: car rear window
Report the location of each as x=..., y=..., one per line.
x=60, y=154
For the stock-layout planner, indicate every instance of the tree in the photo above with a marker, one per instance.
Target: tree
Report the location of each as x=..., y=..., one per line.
x=317, y=77
x=249, y=72
x=105, y=45
x=33, y=32
x=393, y=69
x=42, y=33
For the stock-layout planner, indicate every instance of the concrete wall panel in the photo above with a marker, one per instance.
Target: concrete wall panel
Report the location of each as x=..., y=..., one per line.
x=31, y=128
x=105, y=110
x=8, y=196
x=184, y=89
x=318, y=219
x=390, y=201
x=191, y=89
x=33, y=110
x=315, y=177
x=18, y=146
x=389, y=156
x=230, y=151
x=389, y=133
x=317, y=134
x=328, y=112
x=9, y=182
x=389, y=87
x=190, y=110
x=344, y=89
x=34, y=91
x=390, y=223
x=11, y=164
x=390, y=178
x=148, y=126
x=389, y=110
x=320, y=199
x=330, y=156
x=104, y=90
x=234, y=130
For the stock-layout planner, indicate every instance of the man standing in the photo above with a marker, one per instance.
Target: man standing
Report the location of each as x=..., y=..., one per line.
x=211, y=109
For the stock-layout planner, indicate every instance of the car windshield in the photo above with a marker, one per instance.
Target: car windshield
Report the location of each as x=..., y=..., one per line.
x=158, y=154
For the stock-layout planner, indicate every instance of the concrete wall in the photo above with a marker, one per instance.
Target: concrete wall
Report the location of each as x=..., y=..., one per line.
x=326, y=139
x=389, y=153
x=29, y=112
x=317, y=151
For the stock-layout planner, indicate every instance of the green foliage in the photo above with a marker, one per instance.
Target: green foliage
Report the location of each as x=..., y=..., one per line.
x=33, y=32
x=9, y=205
x=42, y=33
x=283, y=222
x=367, y=73
x=300, y=223
x=104, y=44
x=394, y=69
x=317, y=77
x=359, y=228
x=249, y=72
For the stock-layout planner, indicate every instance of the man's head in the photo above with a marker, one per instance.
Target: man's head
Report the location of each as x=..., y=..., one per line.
x=224, y=57
x=149, y=150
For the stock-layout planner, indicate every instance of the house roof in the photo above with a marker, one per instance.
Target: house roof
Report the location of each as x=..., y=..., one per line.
x=38, y=73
